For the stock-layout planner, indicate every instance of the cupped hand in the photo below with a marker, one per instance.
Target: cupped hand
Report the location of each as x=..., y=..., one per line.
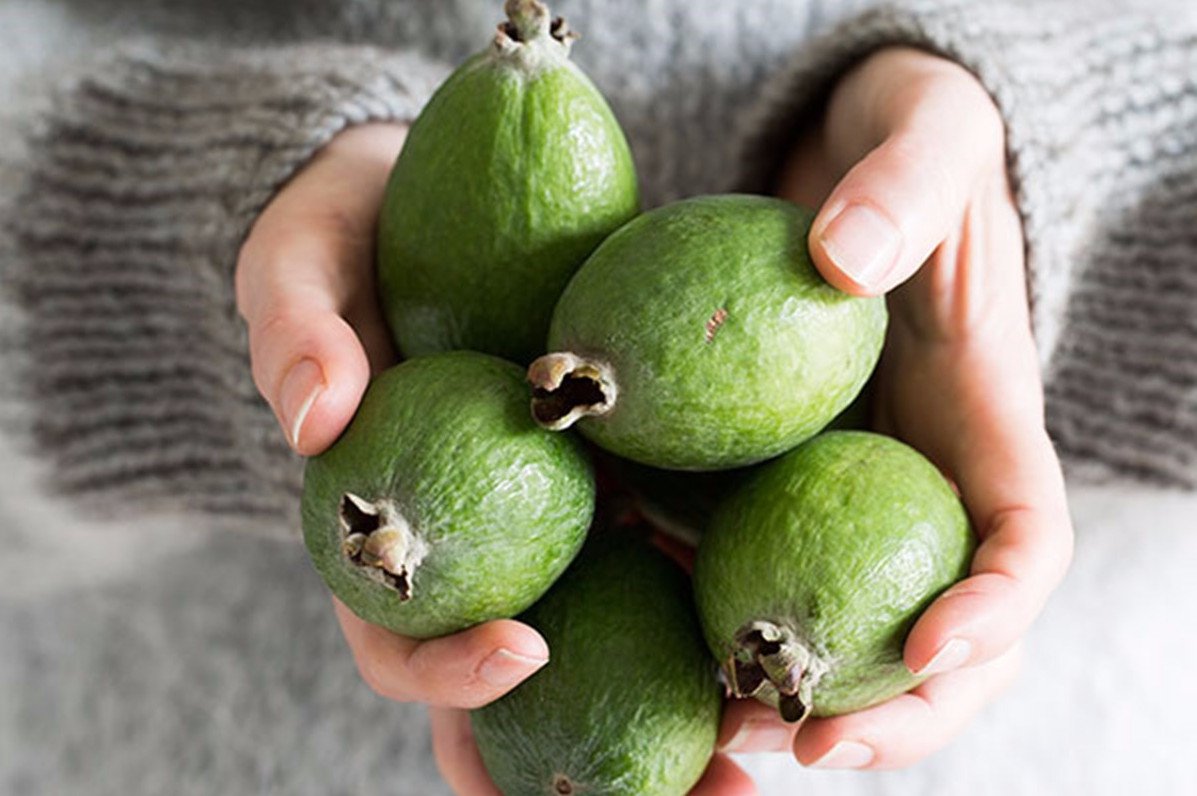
x=908, y=168
x=305, y=286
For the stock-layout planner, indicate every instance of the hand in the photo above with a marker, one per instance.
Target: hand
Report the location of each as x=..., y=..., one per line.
x=908, y=168
x=305, y=286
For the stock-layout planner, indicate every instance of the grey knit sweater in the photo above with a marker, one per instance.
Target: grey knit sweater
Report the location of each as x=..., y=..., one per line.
x=132, y=377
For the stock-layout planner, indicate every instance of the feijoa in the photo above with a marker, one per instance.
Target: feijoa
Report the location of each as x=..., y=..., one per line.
x=512, y=174
x=443, y=505
x=699, y=336
x=811, y=574
x=628, y=703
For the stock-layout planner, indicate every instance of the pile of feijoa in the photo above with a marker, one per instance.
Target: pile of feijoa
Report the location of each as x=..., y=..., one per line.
x=702, y=357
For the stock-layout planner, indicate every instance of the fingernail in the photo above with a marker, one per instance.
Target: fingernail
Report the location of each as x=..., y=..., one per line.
x=863, y=244
x=951, y=655
x=759, y=736
x=301, y=387
x=504, y=668
x=846, y=754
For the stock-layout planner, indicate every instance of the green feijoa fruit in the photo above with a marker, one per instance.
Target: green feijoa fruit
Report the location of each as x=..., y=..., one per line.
x=443, y=505
x=629, y=701
x=811, y=574
x=699, y=336
x=512, y=174
x=680, y=503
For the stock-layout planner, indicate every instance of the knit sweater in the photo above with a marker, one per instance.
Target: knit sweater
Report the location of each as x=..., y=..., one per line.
x=131, y=368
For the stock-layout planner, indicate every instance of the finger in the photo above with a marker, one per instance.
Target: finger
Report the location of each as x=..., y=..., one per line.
x=1010, y=479
x=465, y=670
x=908, y=727
x=939, y=135
x=310, y=366
x=724, y=778
x=457, y=754
x=304, y=285
x=1025, y=550
x=310, y=315
x=751, y=726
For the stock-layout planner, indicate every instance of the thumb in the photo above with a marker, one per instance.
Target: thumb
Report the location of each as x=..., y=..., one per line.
x=894, y=208
x=312, y=324
x=309, y=365
x=305, y=287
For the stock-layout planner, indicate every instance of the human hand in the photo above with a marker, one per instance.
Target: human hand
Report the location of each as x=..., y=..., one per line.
x=908, y=168
x=305, y=286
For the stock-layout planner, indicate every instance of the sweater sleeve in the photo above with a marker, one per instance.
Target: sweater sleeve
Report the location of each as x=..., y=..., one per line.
x=127, y=371
x=1100, y=107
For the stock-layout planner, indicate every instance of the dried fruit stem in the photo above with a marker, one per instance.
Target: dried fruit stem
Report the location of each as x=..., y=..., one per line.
x=771, y=661
x=529, y=22
x=377, y=537
x=529, y=19
x=567, y=387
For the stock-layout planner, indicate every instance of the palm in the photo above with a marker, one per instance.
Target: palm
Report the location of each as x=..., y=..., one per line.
x=959, y=365
x=914, y=140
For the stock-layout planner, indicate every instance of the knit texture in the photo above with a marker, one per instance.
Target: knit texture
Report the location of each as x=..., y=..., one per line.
x=136, y=388
x=120, y=263
x=1100, y=107
x=150, y=170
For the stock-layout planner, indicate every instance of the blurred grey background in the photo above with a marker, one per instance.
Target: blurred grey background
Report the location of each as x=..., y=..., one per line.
x=158, y=657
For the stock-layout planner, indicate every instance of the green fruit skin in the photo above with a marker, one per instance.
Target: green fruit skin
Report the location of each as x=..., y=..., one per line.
x=502, y=505
x=508, y=179
x=845, y=541
x=791, y=352
x=629, y=702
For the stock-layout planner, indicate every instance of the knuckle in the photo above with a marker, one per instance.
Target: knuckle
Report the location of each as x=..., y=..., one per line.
x=384, y=685
x=260, y=253
x=369, y=675
x=283, y=330
x=273, y=275
x=913, y=92
x=349, y=228
x=270, y=333
x=276, y=321
x=922, y=163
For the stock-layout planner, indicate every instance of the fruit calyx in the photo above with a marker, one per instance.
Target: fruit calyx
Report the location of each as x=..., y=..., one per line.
x=530, y=21
x=771, y=658
x=378, y=539
x=567, y=387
